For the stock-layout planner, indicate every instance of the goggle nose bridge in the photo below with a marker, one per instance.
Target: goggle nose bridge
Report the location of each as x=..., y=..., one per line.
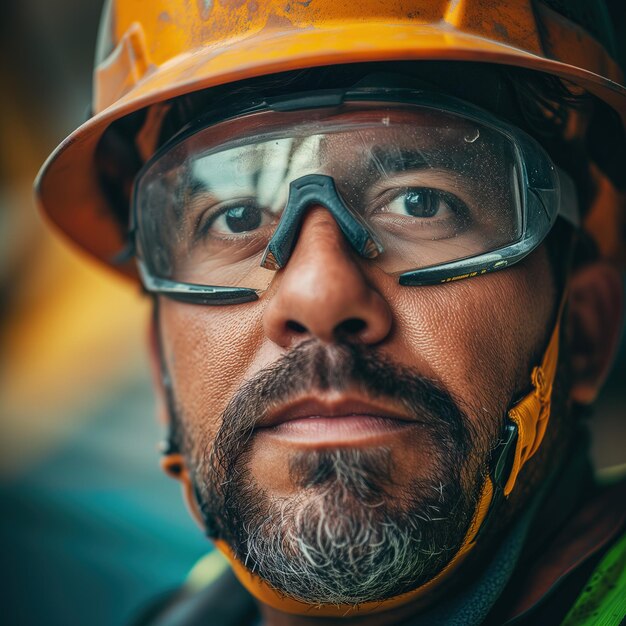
x=321, y=190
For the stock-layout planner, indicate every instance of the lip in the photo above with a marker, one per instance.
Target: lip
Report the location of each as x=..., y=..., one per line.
x=335, y=421
x=333, y=407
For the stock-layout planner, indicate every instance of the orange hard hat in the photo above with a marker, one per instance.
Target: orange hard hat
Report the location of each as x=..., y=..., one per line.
x=151, y=52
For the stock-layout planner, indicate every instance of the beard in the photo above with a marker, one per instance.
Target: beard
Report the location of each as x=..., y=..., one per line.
x=351, y=534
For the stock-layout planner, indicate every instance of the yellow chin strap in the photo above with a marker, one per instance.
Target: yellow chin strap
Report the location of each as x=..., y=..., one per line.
x=530, y=418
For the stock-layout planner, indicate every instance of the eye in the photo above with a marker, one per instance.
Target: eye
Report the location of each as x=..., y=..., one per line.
x=424, y=203
x=237, y=219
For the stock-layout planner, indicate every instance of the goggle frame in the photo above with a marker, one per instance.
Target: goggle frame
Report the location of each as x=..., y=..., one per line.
x=546, y=192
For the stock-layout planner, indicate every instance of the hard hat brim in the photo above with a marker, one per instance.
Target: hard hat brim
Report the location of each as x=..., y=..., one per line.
x=67, y=187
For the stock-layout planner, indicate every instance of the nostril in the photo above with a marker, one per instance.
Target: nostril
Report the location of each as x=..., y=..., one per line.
x=352, y=326
x=295, y=327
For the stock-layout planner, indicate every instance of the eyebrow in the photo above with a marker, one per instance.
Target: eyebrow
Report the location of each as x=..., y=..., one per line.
x=194, y=188
x=397, y=160
x=394, y=160
x=198, y=185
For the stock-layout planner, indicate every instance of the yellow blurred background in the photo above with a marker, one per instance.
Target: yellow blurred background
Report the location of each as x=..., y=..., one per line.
x=82, y=496
x=70, y=332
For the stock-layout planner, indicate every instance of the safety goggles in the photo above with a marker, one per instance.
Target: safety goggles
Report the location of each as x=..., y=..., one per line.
x=428, y=188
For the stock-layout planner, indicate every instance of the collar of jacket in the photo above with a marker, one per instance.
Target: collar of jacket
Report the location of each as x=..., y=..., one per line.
x=570, y=545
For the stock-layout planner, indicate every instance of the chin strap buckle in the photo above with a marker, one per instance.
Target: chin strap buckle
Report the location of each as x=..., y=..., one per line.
x=502, y=458
x=502, y=455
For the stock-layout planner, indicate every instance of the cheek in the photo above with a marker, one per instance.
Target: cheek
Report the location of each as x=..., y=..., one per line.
x=208, y=351
x=479, y=337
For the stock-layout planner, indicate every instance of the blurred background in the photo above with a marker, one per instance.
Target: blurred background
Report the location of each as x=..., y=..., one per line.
x=90, y=529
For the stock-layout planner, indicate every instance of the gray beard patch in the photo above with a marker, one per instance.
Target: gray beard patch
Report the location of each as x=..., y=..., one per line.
x=350, y=535
x=345, y=539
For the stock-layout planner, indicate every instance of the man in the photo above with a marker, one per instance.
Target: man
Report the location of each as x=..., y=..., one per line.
x=378, y=305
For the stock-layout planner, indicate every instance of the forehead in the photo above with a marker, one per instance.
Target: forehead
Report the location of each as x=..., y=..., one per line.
x=355, y=139
x=356, y=134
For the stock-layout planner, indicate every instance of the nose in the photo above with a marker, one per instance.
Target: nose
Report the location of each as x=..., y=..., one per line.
x=323, y=291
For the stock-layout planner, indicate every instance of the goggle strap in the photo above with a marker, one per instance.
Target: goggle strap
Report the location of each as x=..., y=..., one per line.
x=568, y=203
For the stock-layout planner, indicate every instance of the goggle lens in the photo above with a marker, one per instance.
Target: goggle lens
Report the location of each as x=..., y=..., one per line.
x=431, y=185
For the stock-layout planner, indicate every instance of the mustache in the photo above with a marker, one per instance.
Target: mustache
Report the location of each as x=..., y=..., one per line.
x=312, y=366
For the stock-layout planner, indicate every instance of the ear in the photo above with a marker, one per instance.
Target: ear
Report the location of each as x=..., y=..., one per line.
x=172, y=462
x=174, y=465
x=594, y=323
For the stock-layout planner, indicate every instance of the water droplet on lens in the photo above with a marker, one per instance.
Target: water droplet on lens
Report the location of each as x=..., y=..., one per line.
x=472, y=136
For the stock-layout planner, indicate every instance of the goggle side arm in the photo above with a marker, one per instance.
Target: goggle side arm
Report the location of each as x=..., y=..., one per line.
x=195, y=294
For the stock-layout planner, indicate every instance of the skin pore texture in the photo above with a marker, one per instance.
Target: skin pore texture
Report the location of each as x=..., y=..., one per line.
x=473, y=341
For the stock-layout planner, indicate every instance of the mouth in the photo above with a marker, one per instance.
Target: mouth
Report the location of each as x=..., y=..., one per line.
x=335, y=420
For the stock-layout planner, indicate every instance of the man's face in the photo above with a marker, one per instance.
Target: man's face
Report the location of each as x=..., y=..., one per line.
x=338, y=430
